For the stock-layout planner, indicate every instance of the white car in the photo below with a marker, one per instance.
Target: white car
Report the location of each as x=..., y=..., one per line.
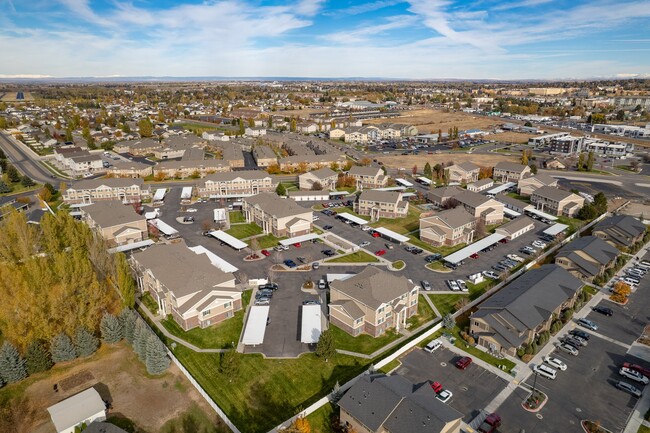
x=539, y=244
x=444, y=396
x=462, y=285
x=366, y=228
x=556, y=363
x=491, y=275
x=453, y=285
x=515, y=257
x=191, y=210
x=634, y=375
x=364, y=244
x=433, y=345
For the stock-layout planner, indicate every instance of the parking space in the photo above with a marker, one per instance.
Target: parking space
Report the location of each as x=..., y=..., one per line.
x=472, y=388
x=595, y=369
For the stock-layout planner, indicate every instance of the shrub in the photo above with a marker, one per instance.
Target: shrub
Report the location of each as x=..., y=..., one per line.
x=521, y=351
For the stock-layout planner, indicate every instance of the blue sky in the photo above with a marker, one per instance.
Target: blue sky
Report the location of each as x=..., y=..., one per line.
x=417, y=39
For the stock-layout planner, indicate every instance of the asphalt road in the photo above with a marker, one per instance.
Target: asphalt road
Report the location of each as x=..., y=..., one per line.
x=24, y=163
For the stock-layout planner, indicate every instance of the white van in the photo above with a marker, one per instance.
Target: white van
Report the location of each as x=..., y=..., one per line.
x=545, y=371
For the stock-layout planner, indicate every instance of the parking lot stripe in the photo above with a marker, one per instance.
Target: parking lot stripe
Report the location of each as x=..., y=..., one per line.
x=611, y=340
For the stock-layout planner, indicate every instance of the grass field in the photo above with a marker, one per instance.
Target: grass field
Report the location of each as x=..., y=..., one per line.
x=401, y=225
x=149, y=302
x=390, y=366
x=444, y=250
x=236, y=217
x=18, y=186
x=446, y=303
x=268, y=241
x=425, y=314
x=242, y=231
x=219, y=336
x=363, y=343
x=399, y=264
x=358, y=257
x=320, y=420
x=438, y=267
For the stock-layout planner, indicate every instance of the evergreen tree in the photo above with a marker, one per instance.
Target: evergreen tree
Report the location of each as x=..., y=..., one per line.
x=600, y=203
x=85, y=342
x=325, y=346
x=62, y=349
x=4, y=188
x=26, y=181
x=13, y=174
x=448, y=321
x=229, y=365
x=157, y=359
x=2, y=154
x=37, y=357
x=140, y=337
x=111, y=329
x=533, y=168
x=281, y=190
x=128, y=318
x=12, y=365
x=427, y=170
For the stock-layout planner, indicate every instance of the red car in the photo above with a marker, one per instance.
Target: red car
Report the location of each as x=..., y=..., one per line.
x=463, y=362
x=491, y=423
x=297, y=245
x=504, y=241
x=265, y=253
x=474, y=256
x=644, y=371
x=380, y=252
x=375, y=234
x=437, y=387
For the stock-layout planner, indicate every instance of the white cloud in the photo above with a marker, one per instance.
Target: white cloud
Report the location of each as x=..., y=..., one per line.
x=367, y=7
x=520, y=4
x=365, y=33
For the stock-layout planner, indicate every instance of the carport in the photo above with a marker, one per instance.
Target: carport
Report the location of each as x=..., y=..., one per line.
x=540, y=214
x=555, y=229
x=511, y=213
x=131, y=246
x=461, y=255
x=403, y=182
x=159, y=196
x=311, y=324
x=230, y=240
x=186, y=193
x=164, y=228
x=302, y=238
x=354, y=219
x=396, y=237
x=501, y=188
x=256, y=325
x=216, y=261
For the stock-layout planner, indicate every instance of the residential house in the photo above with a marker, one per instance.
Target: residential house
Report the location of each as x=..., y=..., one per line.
x=488, y=210
x=381, y=204
x=82, y=408
x=515, y=228
x=256, y=131
x=368, y=177
x=88, y=191
x=515, y=315
x=372, y=302
x=392, y=404
x=527, y=185
x=465, y=172
x=621, y=231
x=130, y=169
x=186, y=285
x=236, y=184
x=264, y=156
x=587, y=257
x=449, y=227
x=556, y=201
x=505, y=171
x=215, y=135
x=278, y=216
x=480, y=185
x=326, y=177
x=117, y=223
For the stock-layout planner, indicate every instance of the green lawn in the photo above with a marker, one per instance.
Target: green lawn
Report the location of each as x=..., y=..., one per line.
x=193, y=419
x=320, y=420
x=363, y=343
x=399, y=264
x=266, y=392
x=18, y=186
x=236, y=217
x=438, y=266
x=425, y=314
x=573, y=223
x=149, y=302
x=390, y=366
x=401, y=225
x=525, y=199
x=445, y=303
x=358, y=257
x=478, y=353
x=643, y=429
x=268, y=241
x=219, y=336
x=242, y=231
x=476, y=290
x=444, y=250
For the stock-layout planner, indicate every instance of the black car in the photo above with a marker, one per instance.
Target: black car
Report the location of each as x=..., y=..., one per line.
x=269, y=286
x=432, y=258
x=579, y=333
x=603, y=310
x=328, y=228
x=264, y=294
x=328, y=253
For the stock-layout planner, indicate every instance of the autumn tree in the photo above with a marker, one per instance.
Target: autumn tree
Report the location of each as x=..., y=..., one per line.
x=524, y=157
x=365, y=161
x=485, y=172
x=145, y=127
x=414, y=170
x=299, y=425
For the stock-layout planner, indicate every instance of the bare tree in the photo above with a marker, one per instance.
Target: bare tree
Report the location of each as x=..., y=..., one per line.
x=450, y=203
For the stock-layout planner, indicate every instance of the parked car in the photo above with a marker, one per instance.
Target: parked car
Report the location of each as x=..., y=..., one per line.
x=436, y=386
x=462, y=285
x=624, y=386
x=328, y=253
x=322, y=285
x=389, y=245
x=432, y=257
x=572, y=341
x=290, y=263
x=582, y=334
x=490, y=274
x=265, y=253
x=310, y=302
x=515, y=257
x=269, y=286
x=297, y=245
x=262, y=301
x=568, y=349
x=453, y=285
x=474, y=256
x=589, y=324
x=380, y=252
x=603, y=310
x=328, y=227
x=425, y=285
x=315, y=265
x=364, y=244
x=463, y=362
x=555, y=363
x=490, y=424
x=644, y=371
x=433, y=345
x=444, y=395
x=634, y=375
x=545, y=371
x=188, y=219
x=375, y=234
x=264, y=293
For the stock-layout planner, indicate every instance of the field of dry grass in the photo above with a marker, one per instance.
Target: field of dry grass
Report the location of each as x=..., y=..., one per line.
x=11, y=97
x=408, y=161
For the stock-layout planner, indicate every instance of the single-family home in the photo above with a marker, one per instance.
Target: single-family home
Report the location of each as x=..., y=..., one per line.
x=622, y=231
x=91, y=190
x=556, y=201
x=117, y=223
x=256, y=131
x=527, y=185
x=277, y=215
x=368, y=176
x=515, y=315
x=465, y=172
x=449, y=227
x=393, y=404
x=505, y=171
x=82, y=408
x=554, y=164
x=381, y=204
x=372, y=302
x=325, y=177
x=587, y=257
x=235, y=184
x=186, y=285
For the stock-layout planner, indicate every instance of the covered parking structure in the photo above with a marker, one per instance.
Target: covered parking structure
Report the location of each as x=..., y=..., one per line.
x=164, y=228
x=538, y=214
x=354, y=219
x=230, y=240
x=256, y=325
x=555, y=229
x=501, y=188
x=474, y=248
x=394, y=236
x=131, y=246
x=302, y=238
x=216, y=261
x=310, y=327
x=403, y=182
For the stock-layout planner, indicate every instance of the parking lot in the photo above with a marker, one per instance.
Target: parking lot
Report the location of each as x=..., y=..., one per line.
x=472, y=388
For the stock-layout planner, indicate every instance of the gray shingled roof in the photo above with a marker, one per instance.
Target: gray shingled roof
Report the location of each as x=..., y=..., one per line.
x=510, y=166
x=364, y=171
x=471, y=198
x=111, y=213
x=380, y=196
x=110, y=182
x=374, y=287
x=229, y=176
x=621, y=228
x=516, y=224
x=454, y=218
x=553, y=193
x=323, y=173
x=274, y=205
x=596, y=248
x=468, y=166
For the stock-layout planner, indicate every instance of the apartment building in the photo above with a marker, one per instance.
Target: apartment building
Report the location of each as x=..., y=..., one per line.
x=556, y=201
x=449, y=227
x=264, y=156
x=372, y=302
x=325, y=177
x=505, y=171
x=515, y=315
x=465, y=172
x=381, y=204
x=587, y=257
x=130, y=169
x=480, y=185
x=78, y=161
x=566, y=145
x=278, y=216
x=488, y=210
x=527, y=185
x=186, y=285
x=311, y=161
x=88, y=191
x=188, y=168
x=621, y=231
x=368, y=177
x=118, y=223
x=235, y=184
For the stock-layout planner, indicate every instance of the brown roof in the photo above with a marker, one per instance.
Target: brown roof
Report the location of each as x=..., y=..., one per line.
x=374, y=287
x=274, y=205
x=111, y=213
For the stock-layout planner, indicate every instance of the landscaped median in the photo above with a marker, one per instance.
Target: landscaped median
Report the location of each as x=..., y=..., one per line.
x=357, y=257
x=241, y=231
x=398, y=265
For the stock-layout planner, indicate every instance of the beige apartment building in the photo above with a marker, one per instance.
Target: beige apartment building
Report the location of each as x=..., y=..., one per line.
x=235, y=184
x=587, y=257
x=488, y=210
x=556, y=201
x=449, y=227
x=130, y=169
x=465, y=172
x=264, y=156
x=278, y=216
x=368, y=177
x=529, y=184
x=372, y=302
x=118, y=223
x=505, y=171
x=92, y=190
x=187, y=168
x=381, y=204
x=326, y=177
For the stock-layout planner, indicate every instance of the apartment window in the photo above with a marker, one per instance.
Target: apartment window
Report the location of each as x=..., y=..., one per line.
x=227, y=305
x=205, y=313
x=380, y=321
x=381, y=310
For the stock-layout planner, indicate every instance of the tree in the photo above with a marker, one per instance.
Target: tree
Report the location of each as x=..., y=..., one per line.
x=316, y=186
x=2, y=154
x=299, y=425
x=448, y=321
x=13, y=174
x=111, y=329
x=590, y=161
x=292, y=125
x=44, y=194
x=281, y=190
x=85, y=342
x=414, y=170
x=620, y=115
x=128, y=319
x=140, y=337
x=325, y=346
x=581, y=162
x=229, y=364
x=157, y=359
x=334, y=166
x=62, y=349
x=145, y=127
x=524, y=157
x=588, y=212
x=37, y=357
x=12, y=365
x=528, y=124
x=600, y=203
x=27, y=182
x=124, y=280
x=4, y=188
x=533, y=168
x=427, y=171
